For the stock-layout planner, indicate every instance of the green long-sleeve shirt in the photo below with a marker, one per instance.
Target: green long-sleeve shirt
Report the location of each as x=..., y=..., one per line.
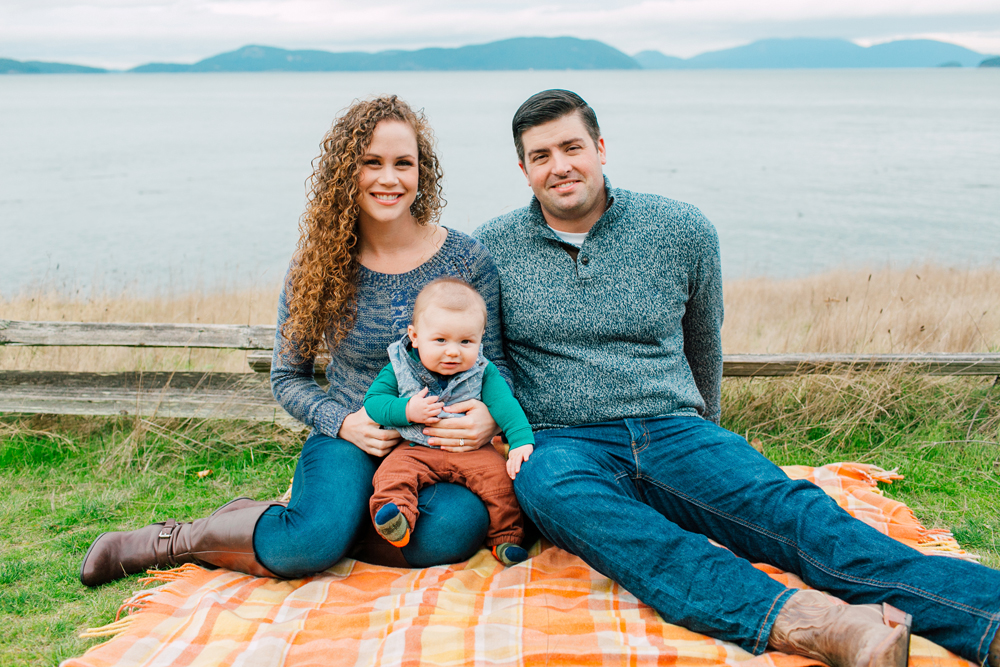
x=384, y=405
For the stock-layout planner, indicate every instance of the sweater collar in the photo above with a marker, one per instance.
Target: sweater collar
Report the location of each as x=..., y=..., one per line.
x=615, y=207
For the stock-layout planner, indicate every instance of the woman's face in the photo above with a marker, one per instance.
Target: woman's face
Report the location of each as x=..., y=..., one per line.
x=389, y=174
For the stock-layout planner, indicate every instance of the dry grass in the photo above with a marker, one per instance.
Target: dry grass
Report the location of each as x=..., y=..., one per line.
x=923, y=309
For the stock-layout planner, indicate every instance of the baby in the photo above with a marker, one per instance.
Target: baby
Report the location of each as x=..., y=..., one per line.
x=439, y=363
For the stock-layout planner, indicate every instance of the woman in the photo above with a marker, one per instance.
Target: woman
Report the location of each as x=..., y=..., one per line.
x=369, y=241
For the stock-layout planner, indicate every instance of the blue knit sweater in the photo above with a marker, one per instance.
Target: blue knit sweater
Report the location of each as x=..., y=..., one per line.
x=384, y=309
x=630, y=329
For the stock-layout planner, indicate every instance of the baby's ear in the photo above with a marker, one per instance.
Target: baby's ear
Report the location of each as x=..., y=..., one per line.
x=412, y=333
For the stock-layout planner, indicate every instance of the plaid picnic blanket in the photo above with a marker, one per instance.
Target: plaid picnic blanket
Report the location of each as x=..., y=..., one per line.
x=551, y=610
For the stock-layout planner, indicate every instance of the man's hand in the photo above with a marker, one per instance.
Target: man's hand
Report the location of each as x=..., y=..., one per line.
x=464, y=434
x=359, y=429
x=423, y=409
x=517, y=457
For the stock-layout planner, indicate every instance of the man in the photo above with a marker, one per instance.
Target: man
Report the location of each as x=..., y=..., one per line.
x=612, y=310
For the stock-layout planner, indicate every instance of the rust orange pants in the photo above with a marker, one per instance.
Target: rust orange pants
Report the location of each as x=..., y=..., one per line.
x=407, y=469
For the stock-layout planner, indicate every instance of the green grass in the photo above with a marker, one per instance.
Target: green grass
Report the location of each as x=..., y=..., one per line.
x=64, y=480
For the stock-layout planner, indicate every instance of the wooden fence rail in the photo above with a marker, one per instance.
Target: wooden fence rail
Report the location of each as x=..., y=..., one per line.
x=248, y=395
x=107, y=334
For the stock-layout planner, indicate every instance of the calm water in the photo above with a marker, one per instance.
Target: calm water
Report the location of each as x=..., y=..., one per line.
x=165, y=182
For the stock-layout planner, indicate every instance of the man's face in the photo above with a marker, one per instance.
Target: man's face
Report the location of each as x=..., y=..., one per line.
x=563, y=167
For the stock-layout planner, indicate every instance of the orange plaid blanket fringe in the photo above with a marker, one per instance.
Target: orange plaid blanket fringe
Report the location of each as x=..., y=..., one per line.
x=551, y=610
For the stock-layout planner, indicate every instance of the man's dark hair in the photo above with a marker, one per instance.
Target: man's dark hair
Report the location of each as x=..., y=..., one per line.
x=547, y=106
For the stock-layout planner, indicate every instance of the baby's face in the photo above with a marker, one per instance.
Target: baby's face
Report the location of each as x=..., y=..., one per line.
x=447, y=340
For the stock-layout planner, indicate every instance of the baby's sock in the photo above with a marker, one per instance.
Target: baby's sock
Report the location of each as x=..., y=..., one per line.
x=509, y=554
x=392, y=525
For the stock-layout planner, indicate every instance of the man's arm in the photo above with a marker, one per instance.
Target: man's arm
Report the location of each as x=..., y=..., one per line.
x=702, y=322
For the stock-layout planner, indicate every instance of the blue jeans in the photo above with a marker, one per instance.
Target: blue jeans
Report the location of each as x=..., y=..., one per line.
x=637, y=499
x=328, y=511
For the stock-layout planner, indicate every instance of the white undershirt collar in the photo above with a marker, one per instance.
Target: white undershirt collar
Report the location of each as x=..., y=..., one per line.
x=569, y=237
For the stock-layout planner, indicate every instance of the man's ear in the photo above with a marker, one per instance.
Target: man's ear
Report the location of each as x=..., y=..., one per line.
x=412, y=333
x=601, y=150
x=524, y=171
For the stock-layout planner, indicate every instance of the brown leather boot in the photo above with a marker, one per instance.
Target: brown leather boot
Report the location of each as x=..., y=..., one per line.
x=243, y=502
x=813, y=625
x=224, y=539
x=993, y=657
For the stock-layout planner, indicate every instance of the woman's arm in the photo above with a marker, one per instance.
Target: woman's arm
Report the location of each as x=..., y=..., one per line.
x=294, y=385
x=295, y=388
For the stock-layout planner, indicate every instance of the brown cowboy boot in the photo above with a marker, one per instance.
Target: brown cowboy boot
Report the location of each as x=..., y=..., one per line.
x=813, y=625
x=993, y=657
x=243, y=502
x=224, y=539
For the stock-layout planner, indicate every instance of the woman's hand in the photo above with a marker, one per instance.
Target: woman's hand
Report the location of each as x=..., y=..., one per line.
x=464, y=434
x=359, y=429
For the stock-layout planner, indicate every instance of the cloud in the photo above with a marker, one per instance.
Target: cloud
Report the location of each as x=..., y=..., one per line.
x=126, y=33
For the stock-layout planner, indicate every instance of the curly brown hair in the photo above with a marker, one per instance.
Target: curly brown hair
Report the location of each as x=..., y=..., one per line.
x=322, y=283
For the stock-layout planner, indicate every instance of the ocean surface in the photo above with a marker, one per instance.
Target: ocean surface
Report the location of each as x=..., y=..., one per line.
x=163, y=183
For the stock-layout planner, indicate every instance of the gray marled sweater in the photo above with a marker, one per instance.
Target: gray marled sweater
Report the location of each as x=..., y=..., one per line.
x=385, y=304
x=631, y=328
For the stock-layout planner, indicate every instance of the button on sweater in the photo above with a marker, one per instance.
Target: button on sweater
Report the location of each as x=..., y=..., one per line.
x=631, y=328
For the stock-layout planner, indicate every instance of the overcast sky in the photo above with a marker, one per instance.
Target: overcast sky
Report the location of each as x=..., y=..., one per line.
x=125, y=33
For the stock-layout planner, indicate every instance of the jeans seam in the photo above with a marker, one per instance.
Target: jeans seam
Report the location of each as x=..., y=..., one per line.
x=982, y=613
x=427, y=502
x=645, y=437
x=987, y=636
x=767, y=617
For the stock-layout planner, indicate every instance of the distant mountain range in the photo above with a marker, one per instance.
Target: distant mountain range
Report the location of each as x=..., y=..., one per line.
x=820, y=53
x=8, y=66
x=557, y=53
x=521, y=53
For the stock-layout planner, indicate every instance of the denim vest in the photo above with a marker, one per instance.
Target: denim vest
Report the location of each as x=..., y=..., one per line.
x=411, y=376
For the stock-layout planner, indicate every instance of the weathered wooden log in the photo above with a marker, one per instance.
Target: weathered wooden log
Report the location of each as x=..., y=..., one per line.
x=773, y=365
x=183, y=395
x=776, y=365
x=115, y=334
x=260, y=362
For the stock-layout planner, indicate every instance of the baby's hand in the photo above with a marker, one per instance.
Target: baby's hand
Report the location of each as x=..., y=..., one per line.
x=517, y=457
x=423, y=409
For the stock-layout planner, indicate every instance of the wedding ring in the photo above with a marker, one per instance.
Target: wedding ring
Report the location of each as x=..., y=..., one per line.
x=461, y=442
